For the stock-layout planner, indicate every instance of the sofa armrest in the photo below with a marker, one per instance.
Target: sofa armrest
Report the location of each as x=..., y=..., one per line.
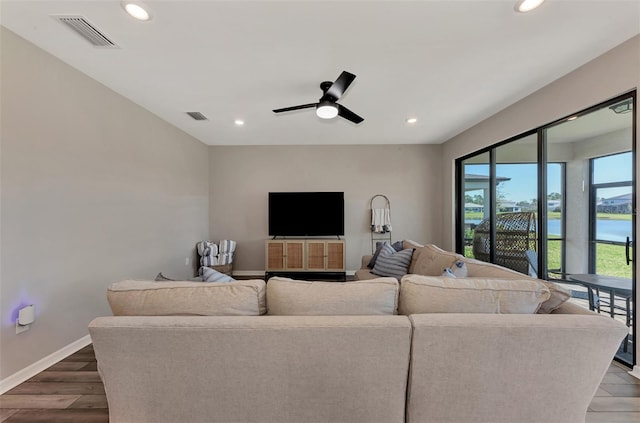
x=365, y=261
x=488, y=360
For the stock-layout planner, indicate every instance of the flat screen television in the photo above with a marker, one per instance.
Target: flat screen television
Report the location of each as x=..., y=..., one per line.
x=306, y=213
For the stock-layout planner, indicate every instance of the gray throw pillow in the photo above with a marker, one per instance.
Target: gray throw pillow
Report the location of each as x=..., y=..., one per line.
x=398, y=246
x=391, y=262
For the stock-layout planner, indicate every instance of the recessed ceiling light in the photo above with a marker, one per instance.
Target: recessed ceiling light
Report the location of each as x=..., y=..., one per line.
x=524, y=6
x=573, y=118
x=137, y=10
x=239, y=122
x=412, y=120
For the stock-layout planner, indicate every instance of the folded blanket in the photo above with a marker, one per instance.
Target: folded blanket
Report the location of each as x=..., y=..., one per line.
x=208, y=258
x=202, y=248
x=227, y=246
x=225, y=258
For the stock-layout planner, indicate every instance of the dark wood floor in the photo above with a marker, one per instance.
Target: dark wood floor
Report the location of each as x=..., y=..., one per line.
x=71, y=392
x=67, y=392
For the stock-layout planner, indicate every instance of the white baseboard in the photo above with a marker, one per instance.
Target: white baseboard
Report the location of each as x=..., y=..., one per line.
x=40, y=365
x=635, y=372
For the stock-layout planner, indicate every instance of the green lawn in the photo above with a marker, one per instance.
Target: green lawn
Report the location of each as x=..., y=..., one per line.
x=610, y=259
x=555, y=215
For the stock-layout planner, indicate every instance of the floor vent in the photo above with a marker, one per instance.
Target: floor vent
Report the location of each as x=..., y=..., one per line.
x=88, y=31
x=197, y=115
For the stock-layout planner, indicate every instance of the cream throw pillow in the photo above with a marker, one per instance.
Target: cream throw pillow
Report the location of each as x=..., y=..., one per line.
x=428, y=294
x=289, y=297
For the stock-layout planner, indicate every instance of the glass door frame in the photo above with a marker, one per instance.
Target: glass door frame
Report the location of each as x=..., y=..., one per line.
x=593, y=217
x=542, y=194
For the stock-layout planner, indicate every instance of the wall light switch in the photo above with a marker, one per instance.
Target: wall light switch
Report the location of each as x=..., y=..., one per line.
x=186, y=261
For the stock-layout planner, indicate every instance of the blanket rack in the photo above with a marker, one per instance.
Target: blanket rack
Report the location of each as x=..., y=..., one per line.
x=377, y=201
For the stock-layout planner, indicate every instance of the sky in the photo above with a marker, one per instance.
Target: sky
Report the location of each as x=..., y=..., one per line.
x=523, y=183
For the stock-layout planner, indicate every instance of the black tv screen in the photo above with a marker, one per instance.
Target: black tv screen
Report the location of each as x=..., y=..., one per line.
x=306, y=213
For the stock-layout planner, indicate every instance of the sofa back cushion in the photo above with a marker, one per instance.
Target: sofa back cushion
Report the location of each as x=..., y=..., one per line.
x=425, y=294
x=181, y=298
x=289, y=297
x=431, y=260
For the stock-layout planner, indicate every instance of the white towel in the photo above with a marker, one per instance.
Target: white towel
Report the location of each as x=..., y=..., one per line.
x=381, y=220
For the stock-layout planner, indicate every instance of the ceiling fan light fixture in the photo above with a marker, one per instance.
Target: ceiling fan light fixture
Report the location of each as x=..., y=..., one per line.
x=326, y=110
x=136, y=10
x=524, y=6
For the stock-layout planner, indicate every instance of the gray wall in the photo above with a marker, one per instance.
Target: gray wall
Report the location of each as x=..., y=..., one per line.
x=93, y=189
x=242, y=177
x=605, y=77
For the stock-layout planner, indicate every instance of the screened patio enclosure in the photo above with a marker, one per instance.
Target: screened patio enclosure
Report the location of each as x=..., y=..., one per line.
x=575, y=178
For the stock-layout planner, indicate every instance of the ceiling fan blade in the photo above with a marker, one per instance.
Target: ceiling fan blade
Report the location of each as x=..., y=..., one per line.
x=303, y=106
x=348, y=114
x=340, y=86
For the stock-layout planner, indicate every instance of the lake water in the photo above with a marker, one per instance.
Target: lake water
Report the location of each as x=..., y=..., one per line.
x=609, y=230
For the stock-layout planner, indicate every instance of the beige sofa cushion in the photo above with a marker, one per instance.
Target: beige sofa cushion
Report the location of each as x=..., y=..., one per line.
x=558, y=297
x=426, y=294
x=289, y=297
x=181, y=298
x=431, y=260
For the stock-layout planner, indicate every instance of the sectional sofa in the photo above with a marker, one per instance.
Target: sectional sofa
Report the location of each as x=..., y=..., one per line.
x=365, y=351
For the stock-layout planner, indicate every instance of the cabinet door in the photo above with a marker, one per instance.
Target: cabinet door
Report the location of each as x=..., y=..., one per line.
x=316, y=255
x=294, y=255
x=276, y=255
x=335, y=256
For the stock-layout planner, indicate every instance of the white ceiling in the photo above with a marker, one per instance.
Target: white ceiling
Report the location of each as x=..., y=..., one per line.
x=449, y=63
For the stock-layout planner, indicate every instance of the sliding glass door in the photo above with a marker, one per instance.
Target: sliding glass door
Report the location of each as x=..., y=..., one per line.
x=558, y=203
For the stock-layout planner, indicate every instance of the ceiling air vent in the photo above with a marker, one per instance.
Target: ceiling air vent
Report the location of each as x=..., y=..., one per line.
x=197, y=115
x=88, y=31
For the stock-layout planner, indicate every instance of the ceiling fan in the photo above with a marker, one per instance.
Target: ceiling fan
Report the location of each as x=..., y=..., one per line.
x=327, y=106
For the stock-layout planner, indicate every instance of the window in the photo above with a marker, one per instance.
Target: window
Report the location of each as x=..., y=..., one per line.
x=557, y=201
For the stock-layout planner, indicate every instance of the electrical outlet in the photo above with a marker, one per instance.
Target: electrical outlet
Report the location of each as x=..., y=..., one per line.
x=186, y=261
x=21, y=328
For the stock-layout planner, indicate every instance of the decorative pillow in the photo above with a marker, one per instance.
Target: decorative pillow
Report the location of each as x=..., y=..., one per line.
x=398, y=246
x=425, y=294
x=391, y=262
x=448, y=273
x=161, y=277
x=210, y=275
x=558, y=296
x=459, y=268
x=181, y=298
x=288, y=297
x=432, y=260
